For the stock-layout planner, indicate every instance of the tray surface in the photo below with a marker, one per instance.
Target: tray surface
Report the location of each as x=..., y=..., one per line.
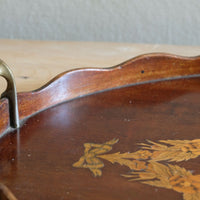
x=90, y=148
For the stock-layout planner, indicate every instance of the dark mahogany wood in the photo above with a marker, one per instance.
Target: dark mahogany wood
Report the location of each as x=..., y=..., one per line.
x=152, y=97
x=78, y=83
x=36, y=162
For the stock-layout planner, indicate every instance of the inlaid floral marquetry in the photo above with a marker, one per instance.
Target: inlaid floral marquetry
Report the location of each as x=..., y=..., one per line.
x=145, y=164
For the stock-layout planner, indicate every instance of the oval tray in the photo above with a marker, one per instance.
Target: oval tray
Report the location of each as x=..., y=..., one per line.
x=126, y=132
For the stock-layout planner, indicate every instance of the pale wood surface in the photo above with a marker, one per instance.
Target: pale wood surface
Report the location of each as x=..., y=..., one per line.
x=35, y=62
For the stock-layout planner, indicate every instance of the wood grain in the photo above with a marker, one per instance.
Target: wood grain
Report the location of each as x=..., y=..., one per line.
x=77, y=83
x=169, y=82
x=37, y=161
x=34, y=63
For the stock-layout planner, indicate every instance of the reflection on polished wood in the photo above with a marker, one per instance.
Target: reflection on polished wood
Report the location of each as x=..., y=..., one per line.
x=78, y=83
x=36, y=62
x=38, y=160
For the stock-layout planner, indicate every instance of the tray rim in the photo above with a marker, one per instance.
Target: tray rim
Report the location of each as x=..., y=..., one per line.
x=81, y=82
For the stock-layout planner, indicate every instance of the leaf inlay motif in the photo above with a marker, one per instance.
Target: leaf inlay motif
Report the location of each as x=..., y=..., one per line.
x=144, y=164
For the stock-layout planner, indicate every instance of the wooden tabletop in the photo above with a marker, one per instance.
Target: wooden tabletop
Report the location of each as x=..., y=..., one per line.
x=36, y=62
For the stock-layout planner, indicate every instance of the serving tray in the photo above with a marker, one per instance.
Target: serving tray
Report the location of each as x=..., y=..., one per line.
x=126, y=132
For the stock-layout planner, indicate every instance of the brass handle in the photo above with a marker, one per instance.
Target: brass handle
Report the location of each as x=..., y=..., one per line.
x=11, y=94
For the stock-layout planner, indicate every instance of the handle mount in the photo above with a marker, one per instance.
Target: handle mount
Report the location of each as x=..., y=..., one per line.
x=11, y=94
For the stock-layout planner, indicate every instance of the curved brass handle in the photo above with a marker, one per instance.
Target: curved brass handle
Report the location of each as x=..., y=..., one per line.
x=11, y=94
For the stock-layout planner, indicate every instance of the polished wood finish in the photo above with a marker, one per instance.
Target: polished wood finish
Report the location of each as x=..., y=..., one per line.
x=77, y=83
x=152, y=97
x=34, y=63
x=37, y=161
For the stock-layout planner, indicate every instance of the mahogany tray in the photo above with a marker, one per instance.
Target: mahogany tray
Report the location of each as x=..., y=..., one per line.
x=125, y=132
